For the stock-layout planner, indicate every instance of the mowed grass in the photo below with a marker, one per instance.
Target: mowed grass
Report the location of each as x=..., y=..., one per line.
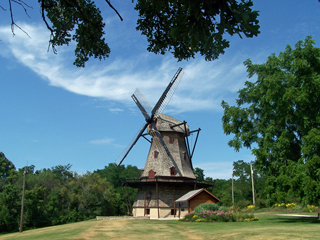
x=269, y=226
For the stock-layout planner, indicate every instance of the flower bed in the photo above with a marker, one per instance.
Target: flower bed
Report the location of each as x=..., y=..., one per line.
x=219, y=216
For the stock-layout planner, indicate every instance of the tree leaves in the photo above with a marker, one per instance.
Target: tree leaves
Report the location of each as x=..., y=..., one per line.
x=78, y=21
x=182, y=27
x=279, y=115
x=186, y=27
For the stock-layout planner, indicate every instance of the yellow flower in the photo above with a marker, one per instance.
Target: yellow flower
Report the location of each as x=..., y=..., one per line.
x=200, y=220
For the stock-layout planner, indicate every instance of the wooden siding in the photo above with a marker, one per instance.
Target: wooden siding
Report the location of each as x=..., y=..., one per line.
x=202, y=197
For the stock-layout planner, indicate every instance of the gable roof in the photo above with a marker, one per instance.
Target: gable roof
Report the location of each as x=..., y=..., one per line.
x=193, y=193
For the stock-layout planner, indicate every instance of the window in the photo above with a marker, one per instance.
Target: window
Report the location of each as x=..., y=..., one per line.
x=172, y=171
x=151, y=175
x=171, y=139
x=184, y=155
x=147, y=211
x=155, y=154
x=182, y=209
x=173, y=211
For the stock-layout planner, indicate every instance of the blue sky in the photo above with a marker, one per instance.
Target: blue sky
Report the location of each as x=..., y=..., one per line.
x=55, y=113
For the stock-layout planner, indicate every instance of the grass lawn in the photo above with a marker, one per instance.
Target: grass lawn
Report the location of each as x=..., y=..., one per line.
x=269, y=226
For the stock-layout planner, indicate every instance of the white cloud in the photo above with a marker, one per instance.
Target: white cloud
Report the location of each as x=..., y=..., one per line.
x=203, y=86
x=115, y=110
x=104, y=141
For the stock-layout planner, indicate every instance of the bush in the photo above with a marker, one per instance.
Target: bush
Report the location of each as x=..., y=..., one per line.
x=309, y=208
x=242, y=204
x=287, y=206
x=250, y=208
x=220, y=216
x=279, y=205
x=224, y=209
x=189, y=216
x=297, y=208
x=242, y=216
x=261, y=203
x=251, y=219
x=206, y=206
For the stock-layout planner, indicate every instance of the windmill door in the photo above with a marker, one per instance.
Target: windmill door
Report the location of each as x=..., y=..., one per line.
x=151, y=176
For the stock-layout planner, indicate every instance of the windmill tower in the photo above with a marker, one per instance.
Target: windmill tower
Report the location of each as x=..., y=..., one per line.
x=168, y=172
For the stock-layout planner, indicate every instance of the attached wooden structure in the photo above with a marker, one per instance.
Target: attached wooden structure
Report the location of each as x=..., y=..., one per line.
x=195, y=198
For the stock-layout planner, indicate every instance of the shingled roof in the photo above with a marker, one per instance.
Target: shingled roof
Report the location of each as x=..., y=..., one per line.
x=193, y=193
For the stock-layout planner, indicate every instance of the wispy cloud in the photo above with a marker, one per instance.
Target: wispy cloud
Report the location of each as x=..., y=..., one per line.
x=115, y=110
x=203, y=87
x=104, y=141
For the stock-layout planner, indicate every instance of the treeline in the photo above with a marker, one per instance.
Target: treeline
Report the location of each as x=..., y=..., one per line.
x=58, y=195
x=242, y=186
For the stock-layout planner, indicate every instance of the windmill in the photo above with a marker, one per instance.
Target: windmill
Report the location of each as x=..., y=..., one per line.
x=168, y=172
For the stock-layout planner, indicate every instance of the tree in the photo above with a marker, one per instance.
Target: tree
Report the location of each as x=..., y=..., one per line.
x=198, y=172
x=183, y=27
x=5, y=168
x=243, y=184
x=278, y=116
x=9, y=208
x=222, y=189
x=114, y=175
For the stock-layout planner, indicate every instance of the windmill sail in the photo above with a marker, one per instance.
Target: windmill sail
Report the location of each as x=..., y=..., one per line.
x=130, y=146
x=145, y=109
x=167, y=94
x=143, y=101
x=142, y=109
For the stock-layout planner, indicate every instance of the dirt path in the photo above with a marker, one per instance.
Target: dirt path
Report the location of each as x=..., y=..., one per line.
x=132, y=229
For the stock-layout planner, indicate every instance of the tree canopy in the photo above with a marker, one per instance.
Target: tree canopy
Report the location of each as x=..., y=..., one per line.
x=182, y=27
x=278, y=116
x=5, y=168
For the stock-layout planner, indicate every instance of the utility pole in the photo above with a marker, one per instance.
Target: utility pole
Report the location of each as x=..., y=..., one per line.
x=22, y=201
x=232, y=192
x=254, y=201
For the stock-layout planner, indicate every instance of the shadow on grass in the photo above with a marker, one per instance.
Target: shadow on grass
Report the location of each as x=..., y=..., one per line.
x=291, y=219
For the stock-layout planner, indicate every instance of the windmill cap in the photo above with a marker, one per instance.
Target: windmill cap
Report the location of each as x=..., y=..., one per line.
x=165, y=123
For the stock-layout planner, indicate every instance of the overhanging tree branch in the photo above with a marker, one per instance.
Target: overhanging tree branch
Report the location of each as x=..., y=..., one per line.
x=11, y=15
x=110, y=5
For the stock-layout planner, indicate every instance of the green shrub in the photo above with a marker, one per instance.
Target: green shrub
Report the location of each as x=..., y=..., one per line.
x=297, y=208
x=263, y=210
x=242, y=204
x=189, y=216
x=242, y=216
x=224, y=209
x=309, y=208
x=206, y=206
x=261, y=203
